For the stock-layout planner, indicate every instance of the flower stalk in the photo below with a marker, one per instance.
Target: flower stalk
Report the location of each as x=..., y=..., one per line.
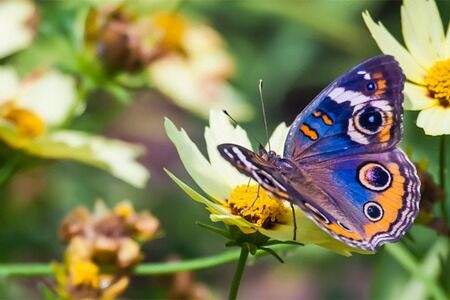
x=238, y=273
x=45, y=269
x=442, y=176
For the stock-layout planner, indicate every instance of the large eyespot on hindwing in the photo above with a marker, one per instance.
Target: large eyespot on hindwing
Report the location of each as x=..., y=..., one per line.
x=374, y=176
x=373, y=211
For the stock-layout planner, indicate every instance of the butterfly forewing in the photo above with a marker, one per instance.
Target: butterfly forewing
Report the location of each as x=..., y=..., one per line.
x=360, y=112
x=255, y=166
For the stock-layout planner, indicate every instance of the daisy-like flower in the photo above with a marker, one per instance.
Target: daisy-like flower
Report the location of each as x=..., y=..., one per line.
x=425, y=62
x=17, y=25
x=32, y=112
x=185, y=61
x=196, y=70
x=103, y=247
x=231, y=199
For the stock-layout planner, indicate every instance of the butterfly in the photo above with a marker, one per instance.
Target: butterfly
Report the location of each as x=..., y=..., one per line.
x=341, y=164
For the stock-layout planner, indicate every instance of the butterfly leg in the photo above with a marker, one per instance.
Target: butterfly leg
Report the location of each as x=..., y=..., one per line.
x=295, y=221
x=248, y=183
x=254, y=200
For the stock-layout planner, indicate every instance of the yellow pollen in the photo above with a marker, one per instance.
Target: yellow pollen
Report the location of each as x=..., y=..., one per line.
x=124, y=209
x=438, y=82
x=84, y=273
x=260, y=208
x=172, y=28
x=27, y=123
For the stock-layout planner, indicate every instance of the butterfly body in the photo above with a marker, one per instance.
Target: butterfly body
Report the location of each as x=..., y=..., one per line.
x=340, y=163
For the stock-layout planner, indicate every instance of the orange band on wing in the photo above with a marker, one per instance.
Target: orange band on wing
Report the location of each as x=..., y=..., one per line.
x=309, y=132
x=377, y=75
x=325, y=118
x=391, y=200
x=385, y=133
x=342, y=232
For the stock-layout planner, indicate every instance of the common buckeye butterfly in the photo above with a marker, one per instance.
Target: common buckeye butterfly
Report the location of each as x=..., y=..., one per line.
x=341, y=164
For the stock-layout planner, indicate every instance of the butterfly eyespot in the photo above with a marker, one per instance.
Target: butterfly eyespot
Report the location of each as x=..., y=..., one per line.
x=317, y=214
x=374, y=176
x=373, y=211
x=369, y=120
x=371, y=86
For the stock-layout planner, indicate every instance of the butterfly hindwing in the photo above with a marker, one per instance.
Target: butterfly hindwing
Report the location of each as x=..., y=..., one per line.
x=360, y=112
x=364, y=200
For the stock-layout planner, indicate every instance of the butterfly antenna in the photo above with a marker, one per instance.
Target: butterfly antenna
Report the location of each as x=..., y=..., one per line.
x=231, y=118
x=260, y=86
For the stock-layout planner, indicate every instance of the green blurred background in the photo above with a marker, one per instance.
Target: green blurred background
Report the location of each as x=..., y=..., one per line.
x=297, y=48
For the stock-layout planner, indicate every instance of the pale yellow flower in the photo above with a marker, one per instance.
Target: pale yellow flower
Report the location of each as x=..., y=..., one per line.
x=425, y=62
x=195, y=73
x=32, y=112
x=17, y=25
x=230, y=199
x=187, y=61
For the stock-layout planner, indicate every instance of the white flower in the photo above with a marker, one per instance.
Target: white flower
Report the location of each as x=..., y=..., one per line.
x=16, y=28
x=32, y=112
x=195, y=73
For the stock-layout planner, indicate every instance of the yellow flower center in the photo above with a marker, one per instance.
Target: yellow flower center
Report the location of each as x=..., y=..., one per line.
x=172, y=27
x=124, y=209
x=256, y=205
x=438, y=82
x=84, y=273
x=27, y=123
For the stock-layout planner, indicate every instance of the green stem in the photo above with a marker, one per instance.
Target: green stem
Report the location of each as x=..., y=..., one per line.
x=8, y=168
x=34, y=270
x=408, y=261
x=442, y=175
x=238, y=273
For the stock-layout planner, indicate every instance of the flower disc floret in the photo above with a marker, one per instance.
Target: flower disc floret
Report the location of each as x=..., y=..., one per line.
x=438, y=82
x=256, y=205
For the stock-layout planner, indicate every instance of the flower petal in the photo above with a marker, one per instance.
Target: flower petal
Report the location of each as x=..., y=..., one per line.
x=50, y=94
x=307, y=233
x=213, y=207
x=423, y=31
x=181, y=81
x=115, y=156
x=436, y=27
x=389, y=45
x=232, y=220
x=16, y=31
x=435, y=120
x=447, y=42
x=278, y=138
x=417, y=97
x=221, y=131
x=9, y=82
x=218, y=212
x=196, y=164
